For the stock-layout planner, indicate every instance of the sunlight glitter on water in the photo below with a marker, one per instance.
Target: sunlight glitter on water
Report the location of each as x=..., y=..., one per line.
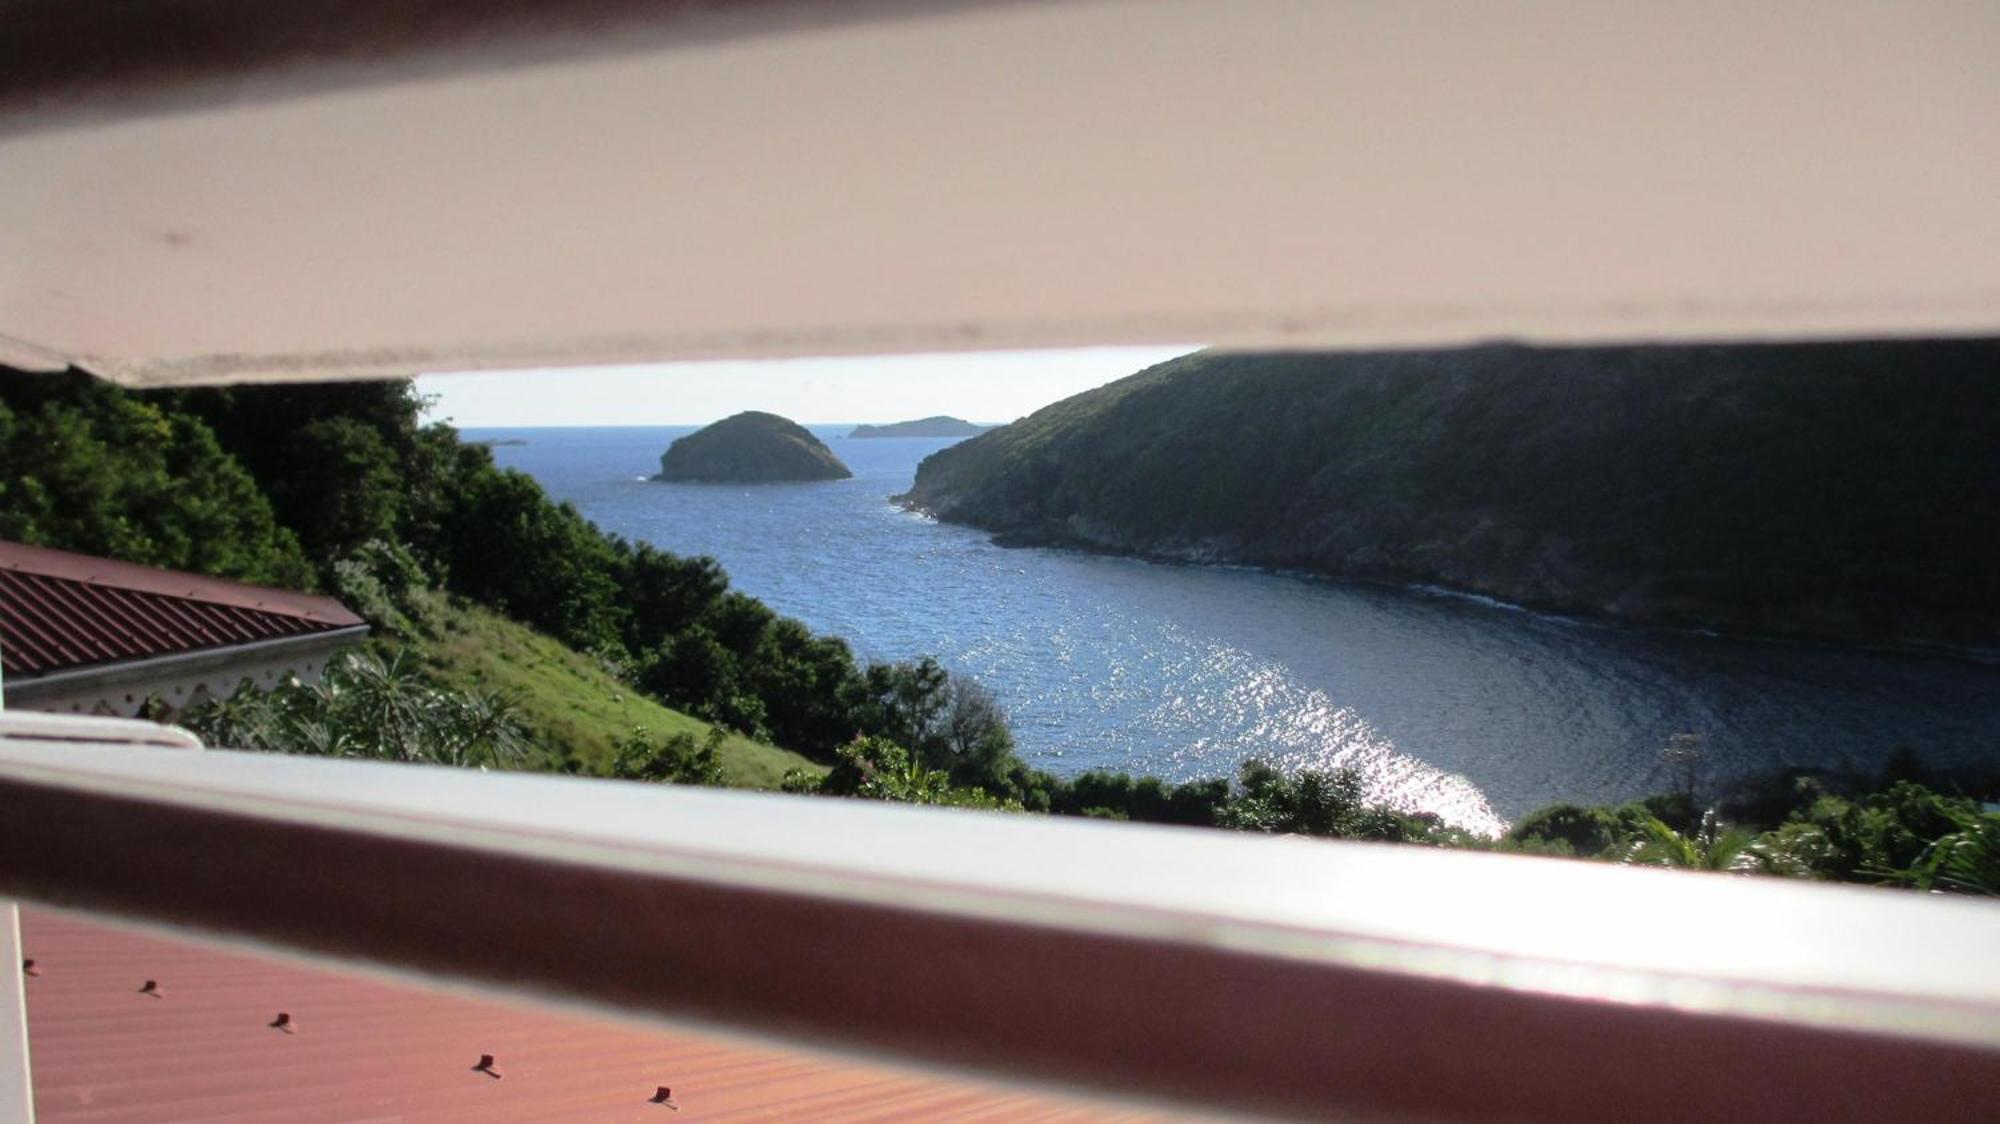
x=1292, y=727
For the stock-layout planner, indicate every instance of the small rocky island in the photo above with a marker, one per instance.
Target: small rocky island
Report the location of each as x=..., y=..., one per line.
x=750, y=448
x=940, y=426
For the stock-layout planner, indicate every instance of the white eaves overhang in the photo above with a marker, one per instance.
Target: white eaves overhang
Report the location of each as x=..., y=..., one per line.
x=328, y=189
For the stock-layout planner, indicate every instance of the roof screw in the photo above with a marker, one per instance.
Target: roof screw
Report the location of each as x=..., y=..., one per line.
x=28, y=968
x=485, y=1066
x=152, y=988
x=282, y=1022
x=665, y=1096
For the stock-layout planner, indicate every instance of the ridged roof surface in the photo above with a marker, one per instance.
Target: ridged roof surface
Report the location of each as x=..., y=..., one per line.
x=364, y=1049
x=60, y=610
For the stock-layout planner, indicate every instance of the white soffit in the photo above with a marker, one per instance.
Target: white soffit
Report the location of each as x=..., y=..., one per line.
x=1252, y=172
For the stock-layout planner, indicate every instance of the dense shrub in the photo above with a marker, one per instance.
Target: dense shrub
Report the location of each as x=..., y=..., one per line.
x=1310, y=802
x=1582, y=831
x=1898, y=832
x=879, y=769
x=678, y=759
x=367, y=707
x=88, y=467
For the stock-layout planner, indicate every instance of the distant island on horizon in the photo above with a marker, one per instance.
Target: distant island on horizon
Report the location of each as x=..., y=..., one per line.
x=937, y=426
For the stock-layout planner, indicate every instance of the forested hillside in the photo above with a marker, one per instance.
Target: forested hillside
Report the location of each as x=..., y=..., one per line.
x=1833, y=490
x=340, y=487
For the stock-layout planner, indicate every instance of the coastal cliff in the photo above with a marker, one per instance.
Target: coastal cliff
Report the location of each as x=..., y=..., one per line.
x=1846, y=491
x=750, y=448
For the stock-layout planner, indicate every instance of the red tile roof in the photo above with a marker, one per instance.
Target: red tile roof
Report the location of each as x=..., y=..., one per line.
x=60, y=610
x=365, y=1049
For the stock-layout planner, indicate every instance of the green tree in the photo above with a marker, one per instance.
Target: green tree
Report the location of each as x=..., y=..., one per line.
x=512, y=549
x=805, y=682
x=84, y=466
x=879, y=769
x=678, y=759
x=349, y=484
x=1578, y=830
x=663, y=593
x=1311, y=802
x=695, y=672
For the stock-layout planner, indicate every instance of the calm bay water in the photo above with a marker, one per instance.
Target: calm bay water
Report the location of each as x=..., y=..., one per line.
x=1475, y=711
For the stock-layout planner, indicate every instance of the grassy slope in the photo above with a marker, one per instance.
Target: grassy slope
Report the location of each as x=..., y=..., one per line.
x=569, y=702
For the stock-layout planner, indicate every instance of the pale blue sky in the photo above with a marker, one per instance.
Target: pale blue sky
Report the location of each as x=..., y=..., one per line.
x=991, y=386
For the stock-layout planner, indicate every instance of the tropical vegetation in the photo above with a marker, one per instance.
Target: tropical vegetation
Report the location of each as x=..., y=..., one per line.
x=1833, y=490
x=368, y=707
x=511, y=633
x=1901, y=828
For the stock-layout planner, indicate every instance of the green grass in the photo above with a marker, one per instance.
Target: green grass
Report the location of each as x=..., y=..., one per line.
x=571, y=705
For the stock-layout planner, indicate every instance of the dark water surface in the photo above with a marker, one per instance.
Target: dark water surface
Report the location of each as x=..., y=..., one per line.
x=1476, y=711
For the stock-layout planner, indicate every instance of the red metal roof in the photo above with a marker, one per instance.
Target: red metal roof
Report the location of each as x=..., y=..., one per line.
x=60, y=610
x=364, y=1049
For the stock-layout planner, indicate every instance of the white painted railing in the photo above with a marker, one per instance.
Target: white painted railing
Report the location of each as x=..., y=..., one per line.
x=1251, y=973
x=40, y=726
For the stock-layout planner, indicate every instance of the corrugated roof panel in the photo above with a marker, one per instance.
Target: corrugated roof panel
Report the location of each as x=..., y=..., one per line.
x=364, y=1049
x=31, y=633
x=131, y=626
x=61, y=610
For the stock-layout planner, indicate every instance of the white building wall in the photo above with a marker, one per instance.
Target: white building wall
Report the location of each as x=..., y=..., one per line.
x=121, y=690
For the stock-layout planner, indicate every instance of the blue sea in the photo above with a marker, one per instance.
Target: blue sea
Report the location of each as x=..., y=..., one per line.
x=1474, y=710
